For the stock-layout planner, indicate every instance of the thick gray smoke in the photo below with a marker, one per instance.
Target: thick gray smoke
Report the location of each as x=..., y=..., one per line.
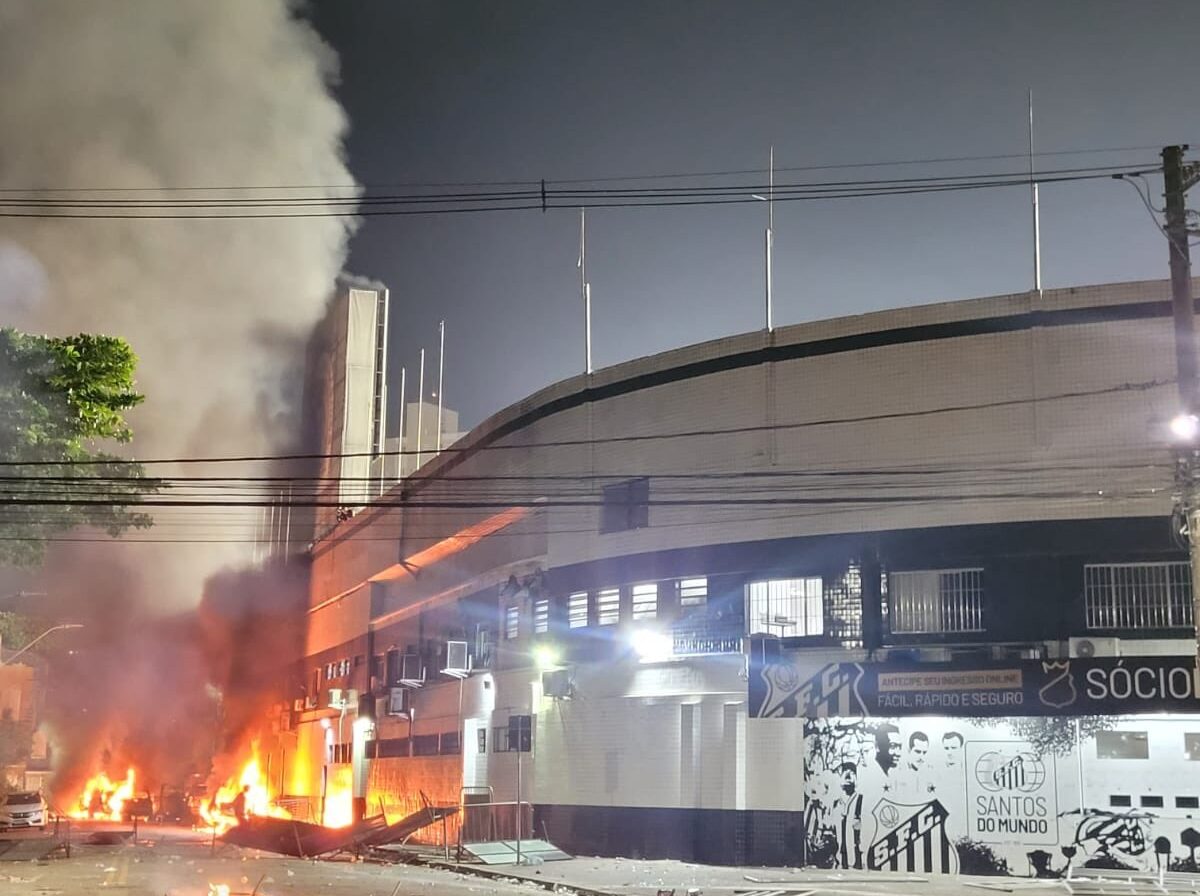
x=148, y=95
x=145, y=94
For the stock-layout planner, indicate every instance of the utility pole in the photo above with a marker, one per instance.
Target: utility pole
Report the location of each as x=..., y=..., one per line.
x=1037, y=221
x=1177, y=179
x=585, y=290
x=769, y=240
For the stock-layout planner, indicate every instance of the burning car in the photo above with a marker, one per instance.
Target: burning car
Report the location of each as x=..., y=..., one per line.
x=139, y=806
x=26, y=809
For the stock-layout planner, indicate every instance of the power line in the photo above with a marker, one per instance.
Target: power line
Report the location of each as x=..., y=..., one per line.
x=1142, y=386
x=536, y=182
x=545, y=199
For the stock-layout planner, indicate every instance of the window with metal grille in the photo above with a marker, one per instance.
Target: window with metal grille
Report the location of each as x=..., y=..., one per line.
x=843, y=597
x=512, y=622
x=644, y=604
x=1138, y=595
x=693, y=592
x=625, y=506
x=608, y=606
x=789, y=608
x=934, y=601
x=541, y=616
x=577, y=610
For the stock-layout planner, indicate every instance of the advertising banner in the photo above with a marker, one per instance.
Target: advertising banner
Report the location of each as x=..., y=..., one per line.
x=1109, y=686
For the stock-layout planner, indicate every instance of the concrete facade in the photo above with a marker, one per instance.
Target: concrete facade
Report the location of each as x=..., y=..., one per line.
x=1024, y=438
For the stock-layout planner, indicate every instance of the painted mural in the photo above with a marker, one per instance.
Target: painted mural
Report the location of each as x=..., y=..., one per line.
x=930, y=791
x=942, y=795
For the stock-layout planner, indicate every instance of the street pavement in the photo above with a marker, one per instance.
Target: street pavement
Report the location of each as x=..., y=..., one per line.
x=166, y=861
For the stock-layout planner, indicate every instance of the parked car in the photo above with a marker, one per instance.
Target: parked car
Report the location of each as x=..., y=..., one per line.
x=23, y=809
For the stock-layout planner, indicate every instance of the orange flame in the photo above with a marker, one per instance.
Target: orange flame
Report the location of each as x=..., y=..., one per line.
x=339, y=799
x=104, y=798
x=219, y=813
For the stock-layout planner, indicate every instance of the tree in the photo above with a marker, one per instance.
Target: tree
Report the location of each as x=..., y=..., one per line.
x=60, y=399
x=1059, y=735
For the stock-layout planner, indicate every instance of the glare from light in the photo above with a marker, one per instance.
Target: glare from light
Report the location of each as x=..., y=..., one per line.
x=545, y=657
x=1185, y=427
x=363, y=724
x=651, y=646
x=326, y=724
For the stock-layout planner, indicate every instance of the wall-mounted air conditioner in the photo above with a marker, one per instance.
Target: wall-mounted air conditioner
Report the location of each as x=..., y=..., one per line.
x=335, y=698
x=399, y=702
x=412, y=670
x=458, y=661
x=1086, y=648
x=558, y=683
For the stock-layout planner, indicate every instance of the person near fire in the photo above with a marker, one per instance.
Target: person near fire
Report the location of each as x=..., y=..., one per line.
x=239, y=804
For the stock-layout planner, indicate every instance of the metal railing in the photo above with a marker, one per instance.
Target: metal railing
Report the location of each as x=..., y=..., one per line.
x=1138, y=595
x=700, y=639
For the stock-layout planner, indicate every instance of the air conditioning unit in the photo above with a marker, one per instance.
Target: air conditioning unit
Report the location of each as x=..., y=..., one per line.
x=399, y=702
x=458, y=661
x=1085, y=648
x=335, y=698
x=558, y=683
x=412, y=670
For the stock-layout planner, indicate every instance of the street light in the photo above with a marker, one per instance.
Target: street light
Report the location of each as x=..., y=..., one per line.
x=1185, y=427
x=48, y=631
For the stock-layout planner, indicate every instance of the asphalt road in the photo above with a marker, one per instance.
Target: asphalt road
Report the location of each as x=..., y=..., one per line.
x=168, y=861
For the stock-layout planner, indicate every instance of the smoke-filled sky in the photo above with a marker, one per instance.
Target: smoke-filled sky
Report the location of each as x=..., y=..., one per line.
x=139, y=94
x=473, y=90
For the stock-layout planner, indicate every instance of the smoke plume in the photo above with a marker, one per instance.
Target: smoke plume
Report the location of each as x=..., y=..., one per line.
x=144, y=95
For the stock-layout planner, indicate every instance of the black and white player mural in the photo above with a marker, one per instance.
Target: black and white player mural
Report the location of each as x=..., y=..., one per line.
x=1024, y=795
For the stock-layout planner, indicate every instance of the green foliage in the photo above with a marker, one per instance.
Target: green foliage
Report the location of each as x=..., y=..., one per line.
x=15, y=630
x=1056, y=735
x=59, y=398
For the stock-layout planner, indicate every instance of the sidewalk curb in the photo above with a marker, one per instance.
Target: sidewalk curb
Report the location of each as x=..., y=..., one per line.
x=490, y=874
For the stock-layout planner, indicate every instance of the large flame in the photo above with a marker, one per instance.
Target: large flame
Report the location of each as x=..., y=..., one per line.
x=339, y=799
x=103, y=798
x=218, y=812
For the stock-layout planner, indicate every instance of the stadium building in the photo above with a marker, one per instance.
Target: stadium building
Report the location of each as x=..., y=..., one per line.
x=898, y=590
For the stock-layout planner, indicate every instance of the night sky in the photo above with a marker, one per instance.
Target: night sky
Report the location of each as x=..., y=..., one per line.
x=440, y=91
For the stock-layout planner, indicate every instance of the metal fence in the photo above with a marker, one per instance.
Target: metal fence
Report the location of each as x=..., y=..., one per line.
x=935, y=601
x=1138, y=595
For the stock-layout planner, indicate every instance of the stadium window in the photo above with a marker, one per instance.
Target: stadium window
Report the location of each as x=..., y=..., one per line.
x=644, y=601
x=608, y=606
x=693, y=592
x=1120, y=801
x=1187, y=802
x=1122, y=745
x=1138, y=595
x=512, y=623
x=1191, y=746
x=625, y=506
x=577, y=610
x=541, y=616
x=789, y=608
x=936, y=601
x=1151, y=802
